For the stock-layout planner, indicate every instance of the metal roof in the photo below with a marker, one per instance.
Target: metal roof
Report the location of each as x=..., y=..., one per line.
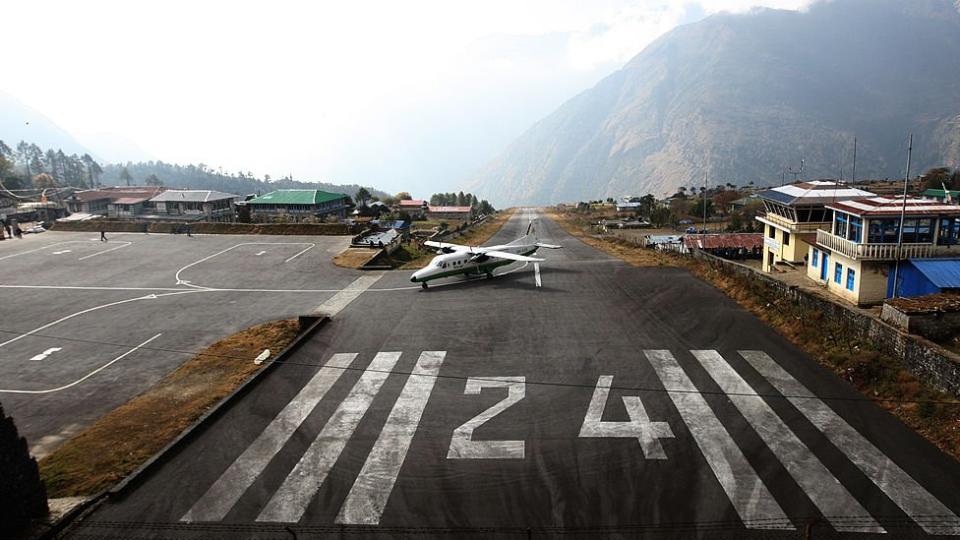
x=458, y=209
x=881, y=206
x=298, y=196
x=815, y=192
x=944, y=273
x=192, y=195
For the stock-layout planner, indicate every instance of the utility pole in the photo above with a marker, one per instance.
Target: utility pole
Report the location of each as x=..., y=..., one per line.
x=853, y=181
x=704, y=203
x=903, y=215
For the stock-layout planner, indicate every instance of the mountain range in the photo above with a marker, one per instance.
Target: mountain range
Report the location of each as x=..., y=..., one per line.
x=742, y=98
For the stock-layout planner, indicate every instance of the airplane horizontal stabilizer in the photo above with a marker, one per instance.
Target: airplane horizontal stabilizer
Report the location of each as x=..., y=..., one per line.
x=548, y=246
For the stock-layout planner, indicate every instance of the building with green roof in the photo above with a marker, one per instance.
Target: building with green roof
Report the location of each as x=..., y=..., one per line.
x=942, y=195
x=300, y=203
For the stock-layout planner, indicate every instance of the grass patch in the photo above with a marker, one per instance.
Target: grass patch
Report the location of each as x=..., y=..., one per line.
x=116, y=444
x=877, y=376
x=355, y=257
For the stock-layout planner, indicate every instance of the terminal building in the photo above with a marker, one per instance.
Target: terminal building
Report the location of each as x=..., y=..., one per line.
x=795, y=213
x=855, y=257
x=299, y=204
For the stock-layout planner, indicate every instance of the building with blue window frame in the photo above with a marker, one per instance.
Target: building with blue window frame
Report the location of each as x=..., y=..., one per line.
x=860, y=244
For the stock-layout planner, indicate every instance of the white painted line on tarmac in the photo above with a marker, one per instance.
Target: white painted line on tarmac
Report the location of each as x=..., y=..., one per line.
x=536, y=271
x=371, y=490
x=89, y=288
x=748, y=494
x=43, y=248
x=62, y=251
x=125, y=244
x=342, y=299
x=826, y=492
x=918, y=503
x=208, y=257
x=95, y=308
x=227, y=490
x=45, y=354
x=301, y=253
x=85, y=377
x=259, y=253
x=290, y=501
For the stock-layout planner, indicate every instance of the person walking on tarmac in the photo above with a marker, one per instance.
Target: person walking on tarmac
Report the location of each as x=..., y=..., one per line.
x=103, y=235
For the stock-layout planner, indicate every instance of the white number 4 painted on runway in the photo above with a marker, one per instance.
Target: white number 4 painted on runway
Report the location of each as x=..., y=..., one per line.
x=462, y=445
x=639, y=426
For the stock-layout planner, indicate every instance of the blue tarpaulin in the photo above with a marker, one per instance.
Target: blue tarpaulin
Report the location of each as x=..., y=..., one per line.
x=920, y=277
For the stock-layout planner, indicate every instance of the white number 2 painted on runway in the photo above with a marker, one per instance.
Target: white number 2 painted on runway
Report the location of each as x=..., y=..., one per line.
x=639, y=426
x=462, y=445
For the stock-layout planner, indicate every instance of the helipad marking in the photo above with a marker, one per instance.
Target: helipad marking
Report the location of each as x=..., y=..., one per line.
x=85, y=377
x=125, y=244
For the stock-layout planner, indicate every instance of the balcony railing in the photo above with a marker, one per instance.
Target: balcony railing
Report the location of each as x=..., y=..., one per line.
x=793, y=226
x=879, y=252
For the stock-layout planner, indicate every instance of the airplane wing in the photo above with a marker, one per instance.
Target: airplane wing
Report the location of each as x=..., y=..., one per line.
x=447, y=246
x=511, y=256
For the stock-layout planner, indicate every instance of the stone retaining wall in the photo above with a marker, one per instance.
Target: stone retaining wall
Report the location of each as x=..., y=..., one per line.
x=928, y=361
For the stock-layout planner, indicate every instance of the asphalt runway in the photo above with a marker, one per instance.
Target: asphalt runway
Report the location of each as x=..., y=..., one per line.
x=610, y=401
x=86, y=325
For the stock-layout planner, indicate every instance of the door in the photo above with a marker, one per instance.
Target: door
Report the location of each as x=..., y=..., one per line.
x=824, y=261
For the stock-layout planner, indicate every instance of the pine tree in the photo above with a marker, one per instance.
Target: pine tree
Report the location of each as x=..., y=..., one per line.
x=125, y=176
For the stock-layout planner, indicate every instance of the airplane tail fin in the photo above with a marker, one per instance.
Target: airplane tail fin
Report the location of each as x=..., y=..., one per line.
x=532, y=234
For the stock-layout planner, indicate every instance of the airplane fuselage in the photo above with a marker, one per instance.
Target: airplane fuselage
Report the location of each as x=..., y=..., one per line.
x=468, y=262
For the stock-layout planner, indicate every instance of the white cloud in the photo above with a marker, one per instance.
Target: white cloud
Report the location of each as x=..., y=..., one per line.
x=285, y=86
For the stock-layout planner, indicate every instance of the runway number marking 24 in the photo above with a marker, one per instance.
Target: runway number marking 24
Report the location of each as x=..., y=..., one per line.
x=640, y=427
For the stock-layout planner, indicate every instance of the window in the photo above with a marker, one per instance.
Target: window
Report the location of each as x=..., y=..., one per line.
x=816, y=258
x=855, y=232
x=883, y=231
x=837, y=272
x=851, y=276
x=840, y=225
x=949, y=231
x=771, y=232
x=786, y=238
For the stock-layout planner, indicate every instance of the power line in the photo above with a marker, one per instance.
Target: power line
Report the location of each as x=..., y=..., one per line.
x=464, y=378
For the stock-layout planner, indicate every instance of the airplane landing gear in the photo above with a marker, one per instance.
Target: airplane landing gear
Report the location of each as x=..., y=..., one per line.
x=424, y=284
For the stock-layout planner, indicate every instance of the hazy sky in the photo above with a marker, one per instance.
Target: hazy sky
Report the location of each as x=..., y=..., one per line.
x=400, y=95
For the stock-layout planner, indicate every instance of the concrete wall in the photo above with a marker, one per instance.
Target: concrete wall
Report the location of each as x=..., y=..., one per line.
x=326, y=229
x=928, y=361
x=937, y=326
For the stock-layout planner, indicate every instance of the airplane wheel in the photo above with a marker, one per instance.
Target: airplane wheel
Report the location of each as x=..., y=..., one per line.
x=424, y=284
x=489, y=275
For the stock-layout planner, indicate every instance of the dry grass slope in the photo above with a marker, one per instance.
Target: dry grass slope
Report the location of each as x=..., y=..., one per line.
x=118, y=443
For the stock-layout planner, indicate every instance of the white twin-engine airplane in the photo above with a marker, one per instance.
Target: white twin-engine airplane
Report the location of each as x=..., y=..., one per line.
x=455, y=259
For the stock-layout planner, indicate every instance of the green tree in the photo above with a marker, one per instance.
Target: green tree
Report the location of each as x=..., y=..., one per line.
x=125, y=176
x=937, y=177
x=153, y=180
x=404, y=196
x=362, y=196
x=698, y=208
x=660, y=216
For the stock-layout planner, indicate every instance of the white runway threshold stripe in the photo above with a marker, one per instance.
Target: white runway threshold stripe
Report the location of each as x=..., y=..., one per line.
x=290, y=501
x=747, y=493
x=826, y=492
x=342, y=299
x=918, y=503
x=227, y=490
x=368, y=497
